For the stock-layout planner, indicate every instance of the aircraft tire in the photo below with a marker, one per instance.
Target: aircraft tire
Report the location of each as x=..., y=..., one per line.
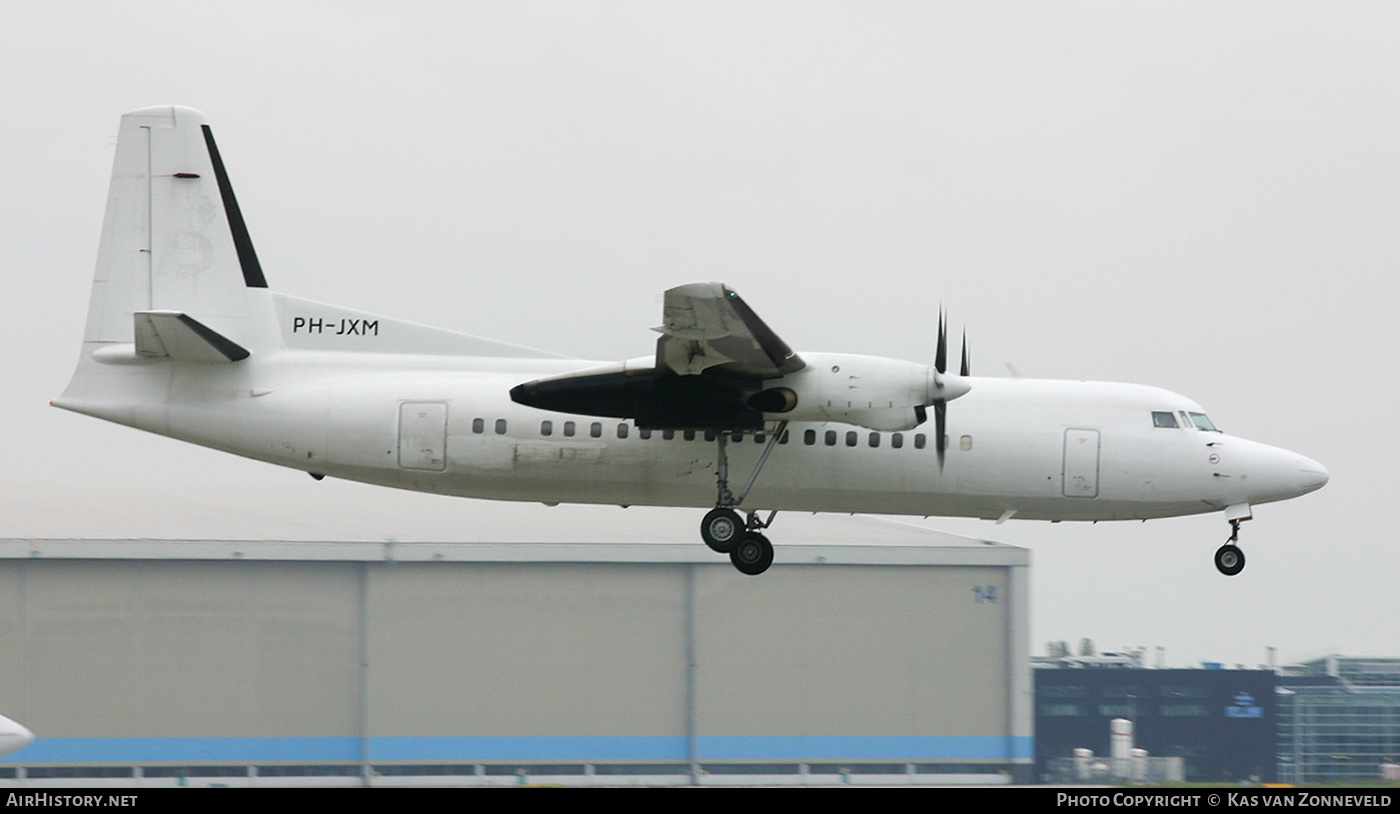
x=721, y=530
x=1229, y=560
x=753, y=554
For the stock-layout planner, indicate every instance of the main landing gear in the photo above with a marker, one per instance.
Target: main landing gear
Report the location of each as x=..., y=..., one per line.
x=1229, y=559
x=724, y=531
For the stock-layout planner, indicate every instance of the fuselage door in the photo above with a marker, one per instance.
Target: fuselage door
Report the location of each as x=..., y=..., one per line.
x=423, y=435
x=1081, y=475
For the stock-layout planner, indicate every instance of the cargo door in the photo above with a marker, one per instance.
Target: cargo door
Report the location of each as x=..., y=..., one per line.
x=423, y=435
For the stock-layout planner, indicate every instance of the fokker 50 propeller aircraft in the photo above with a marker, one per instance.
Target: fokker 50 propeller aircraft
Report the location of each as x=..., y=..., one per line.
x=185, y=339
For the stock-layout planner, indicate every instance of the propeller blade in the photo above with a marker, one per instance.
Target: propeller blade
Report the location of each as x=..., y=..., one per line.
x=940, y=360
x=940, y=426
x=966, y=368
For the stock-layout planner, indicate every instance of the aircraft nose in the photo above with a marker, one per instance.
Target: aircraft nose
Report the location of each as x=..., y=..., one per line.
x=1313, y=474
x=1270, y=473
x=13, y=736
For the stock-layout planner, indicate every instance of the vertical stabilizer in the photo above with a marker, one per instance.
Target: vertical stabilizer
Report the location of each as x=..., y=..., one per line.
x=173, y=238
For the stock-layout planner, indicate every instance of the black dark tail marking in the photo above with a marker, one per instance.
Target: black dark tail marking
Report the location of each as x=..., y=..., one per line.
x=247, y=257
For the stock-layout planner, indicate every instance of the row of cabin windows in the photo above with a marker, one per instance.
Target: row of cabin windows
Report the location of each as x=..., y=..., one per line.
x=830, y=438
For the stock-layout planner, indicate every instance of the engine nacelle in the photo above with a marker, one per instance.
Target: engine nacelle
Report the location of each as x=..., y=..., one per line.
x=869, y=391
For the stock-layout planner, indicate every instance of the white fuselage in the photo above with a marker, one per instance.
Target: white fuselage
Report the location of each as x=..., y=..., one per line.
x=1024, y=448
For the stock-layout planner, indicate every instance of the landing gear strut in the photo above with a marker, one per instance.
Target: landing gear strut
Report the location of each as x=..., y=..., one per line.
x=723, y=530
x=1229, y=559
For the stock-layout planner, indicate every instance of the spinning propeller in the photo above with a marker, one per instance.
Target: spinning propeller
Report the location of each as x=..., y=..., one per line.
x=940, y=406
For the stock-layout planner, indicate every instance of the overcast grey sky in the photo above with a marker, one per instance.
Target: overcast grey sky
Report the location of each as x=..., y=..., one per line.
x=1200, y=196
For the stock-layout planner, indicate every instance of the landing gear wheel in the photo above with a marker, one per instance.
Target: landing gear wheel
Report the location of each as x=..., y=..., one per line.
x=1229, y=560
x=753, y=554
x=721, y=529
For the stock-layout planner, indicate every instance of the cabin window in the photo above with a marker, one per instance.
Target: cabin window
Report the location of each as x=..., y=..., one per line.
x=710, y=435
x=920, y=441
x=809, y=437
x=546, y=428
x=783, y=439
x=646, y=434
x=965, y=443
x=595, y=430
x=688, y=435
x=478, y=425
x=852, y=438
x=668, y=435
x=897, y=440
x=760, y=438
x=568, y=429
x=500, y=426
x=874, y=439
x=1203, y=423
x=621, y=430
x=1164, y=419
x=831, y=438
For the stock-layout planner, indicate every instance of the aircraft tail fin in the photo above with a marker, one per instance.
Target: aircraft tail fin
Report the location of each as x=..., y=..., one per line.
x=173, y=238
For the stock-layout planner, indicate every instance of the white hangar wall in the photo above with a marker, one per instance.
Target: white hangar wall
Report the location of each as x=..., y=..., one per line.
x=153, y=653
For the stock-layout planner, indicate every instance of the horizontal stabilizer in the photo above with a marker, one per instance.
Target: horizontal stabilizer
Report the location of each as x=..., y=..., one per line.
x=181, y=336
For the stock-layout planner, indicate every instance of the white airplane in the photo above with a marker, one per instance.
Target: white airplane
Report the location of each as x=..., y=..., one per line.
x=185, y=339
x=13, y=736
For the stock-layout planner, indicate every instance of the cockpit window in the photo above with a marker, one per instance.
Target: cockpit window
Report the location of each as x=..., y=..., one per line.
x=1163, y=418
x=1203, y=423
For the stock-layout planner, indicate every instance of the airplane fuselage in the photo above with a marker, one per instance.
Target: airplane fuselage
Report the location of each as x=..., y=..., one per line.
x=1023, y=448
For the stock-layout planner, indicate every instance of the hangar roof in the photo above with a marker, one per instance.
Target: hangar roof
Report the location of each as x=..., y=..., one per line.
x=345, y=521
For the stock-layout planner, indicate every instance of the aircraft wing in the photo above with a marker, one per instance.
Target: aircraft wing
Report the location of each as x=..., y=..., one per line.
x=713, y=354
x=707, y=325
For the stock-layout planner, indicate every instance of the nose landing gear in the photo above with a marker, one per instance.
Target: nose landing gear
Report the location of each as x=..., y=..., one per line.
x=1229, y=559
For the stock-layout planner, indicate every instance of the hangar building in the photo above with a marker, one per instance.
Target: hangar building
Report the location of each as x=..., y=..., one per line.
x=874, y=651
